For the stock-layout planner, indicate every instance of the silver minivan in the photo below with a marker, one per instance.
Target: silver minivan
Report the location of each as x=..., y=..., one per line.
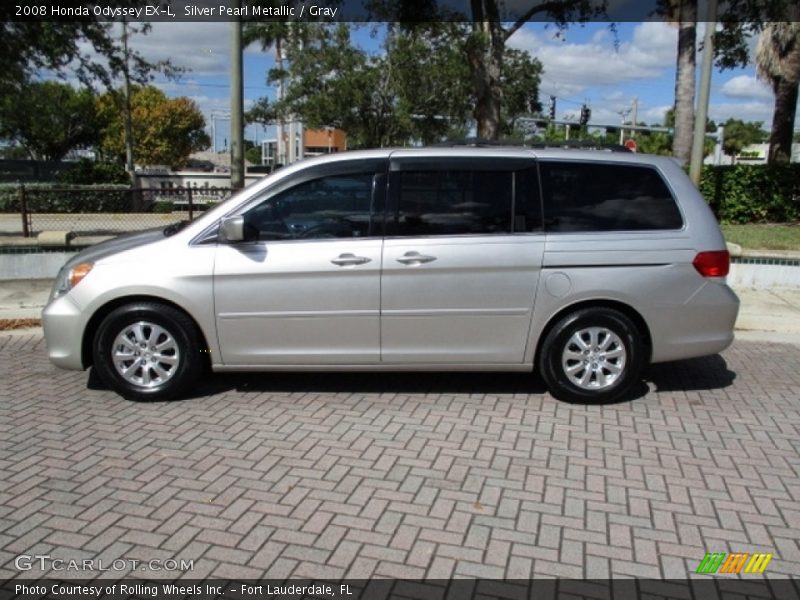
x=585, y=265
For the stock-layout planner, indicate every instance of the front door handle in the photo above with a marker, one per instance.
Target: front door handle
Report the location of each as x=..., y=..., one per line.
x=415, y=258
x=349, y=260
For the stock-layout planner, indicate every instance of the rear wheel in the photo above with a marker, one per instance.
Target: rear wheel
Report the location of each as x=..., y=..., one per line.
x=592, y=355
x=147, y=351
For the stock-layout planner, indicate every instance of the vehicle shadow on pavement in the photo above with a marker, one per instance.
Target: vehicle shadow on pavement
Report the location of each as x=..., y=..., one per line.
x=707, y=373
x=697, y=374
x=375, y=383
x=694, y=374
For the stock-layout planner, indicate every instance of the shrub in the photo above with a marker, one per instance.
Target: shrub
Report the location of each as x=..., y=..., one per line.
x=162, y=207
x=753, y=193
x=90, y=172
x=56, y=198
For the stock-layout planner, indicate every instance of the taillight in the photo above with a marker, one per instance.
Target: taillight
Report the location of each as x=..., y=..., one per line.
x=713, y=264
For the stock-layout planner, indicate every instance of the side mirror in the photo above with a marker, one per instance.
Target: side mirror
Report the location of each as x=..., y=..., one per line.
x=232, y=229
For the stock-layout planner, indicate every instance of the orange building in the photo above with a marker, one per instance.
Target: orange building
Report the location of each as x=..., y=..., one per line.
x=314, y=143
x=323, y=141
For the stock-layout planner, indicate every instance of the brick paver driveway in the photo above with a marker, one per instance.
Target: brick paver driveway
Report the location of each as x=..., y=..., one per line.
x=404, y=475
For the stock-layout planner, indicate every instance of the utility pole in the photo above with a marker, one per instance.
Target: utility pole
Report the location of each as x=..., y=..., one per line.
x=635, y=108
x=701, y=114
x=126, y=106
x=237, y=104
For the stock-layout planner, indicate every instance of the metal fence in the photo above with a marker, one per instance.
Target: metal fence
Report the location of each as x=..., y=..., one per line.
x=28, y=211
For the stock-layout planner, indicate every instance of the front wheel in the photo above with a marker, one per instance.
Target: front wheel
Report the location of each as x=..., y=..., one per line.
x=592, y=355
x=147, y=351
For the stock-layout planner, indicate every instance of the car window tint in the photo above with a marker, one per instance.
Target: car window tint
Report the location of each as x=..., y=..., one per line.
x=606, y=197
x=451, y=202
x=330, y=207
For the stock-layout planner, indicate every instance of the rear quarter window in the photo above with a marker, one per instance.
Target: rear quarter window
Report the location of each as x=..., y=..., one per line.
x=606, y=197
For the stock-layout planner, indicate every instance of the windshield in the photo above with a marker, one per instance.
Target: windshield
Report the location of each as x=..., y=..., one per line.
x=223, y=207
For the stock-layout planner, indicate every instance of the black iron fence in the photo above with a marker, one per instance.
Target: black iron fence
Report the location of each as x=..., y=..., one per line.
x=28, y=210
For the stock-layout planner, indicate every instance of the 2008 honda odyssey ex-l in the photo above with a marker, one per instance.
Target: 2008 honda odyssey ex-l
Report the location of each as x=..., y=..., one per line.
x=585, y=265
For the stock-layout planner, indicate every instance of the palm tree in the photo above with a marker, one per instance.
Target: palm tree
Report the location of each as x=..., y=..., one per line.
x=272, y=34
x=684, y=13
x=778, y=63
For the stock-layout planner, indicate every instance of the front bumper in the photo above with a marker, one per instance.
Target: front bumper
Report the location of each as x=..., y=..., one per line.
x=63, y=325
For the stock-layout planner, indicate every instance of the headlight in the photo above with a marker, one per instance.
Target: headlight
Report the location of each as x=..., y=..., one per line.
x=69, y=278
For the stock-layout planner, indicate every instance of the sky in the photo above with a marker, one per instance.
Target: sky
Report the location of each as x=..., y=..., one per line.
x=582, y=65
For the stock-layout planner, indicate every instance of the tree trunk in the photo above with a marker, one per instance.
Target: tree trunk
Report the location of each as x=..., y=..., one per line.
x=485, y=57
x=780, y=139
x=685, y=80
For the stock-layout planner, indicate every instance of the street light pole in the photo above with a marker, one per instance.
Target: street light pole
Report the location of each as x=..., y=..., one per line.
x=237, y=104
x=701, y=115
x=126, y=109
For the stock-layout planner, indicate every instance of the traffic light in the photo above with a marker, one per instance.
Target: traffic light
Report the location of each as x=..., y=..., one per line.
x=552, y=108
x=586, y=114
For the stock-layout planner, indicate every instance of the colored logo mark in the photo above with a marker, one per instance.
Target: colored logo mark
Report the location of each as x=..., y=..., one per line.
x=724, y=563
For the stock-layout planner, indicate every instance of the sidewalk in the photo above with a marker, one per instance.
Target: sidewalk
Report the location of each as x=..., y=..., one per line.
x=775, y=310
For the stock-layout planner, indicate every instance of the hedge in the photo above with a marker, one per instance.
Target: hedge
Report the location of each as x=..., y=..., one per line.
x=60, y=198
x=753, y=193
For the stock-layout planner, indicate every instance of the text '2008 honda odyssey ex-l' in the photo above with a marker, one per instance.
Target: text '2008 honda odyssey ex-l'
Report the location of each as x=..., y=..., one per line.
x=585, y=265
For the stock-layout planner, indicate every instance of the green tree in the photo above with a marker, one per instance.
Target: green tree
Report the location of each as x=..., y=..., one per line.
x=334, y=83
x=521, y=77
x=60, y=45
x=166, y=130
x=48, y=119
x=252, y=152
x=485, y=49
x=429, y=81
x=482, y=41
x=417, y=87
x=739, y=134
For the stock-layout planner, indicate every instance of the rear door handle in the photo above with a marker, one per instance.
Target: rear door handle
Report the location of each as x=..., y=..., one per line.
x=415, y=258
x=349, y=260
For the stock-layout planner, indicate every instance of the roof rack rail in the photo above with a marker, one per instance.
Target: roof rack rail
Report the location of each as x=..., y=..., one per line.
x=580, y=145
x=479, y=142
x=570, y=144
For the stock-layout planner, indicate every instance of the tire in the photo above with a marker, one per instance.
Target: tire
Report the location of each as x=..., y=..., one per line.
x=163, y=337
x=592, y=355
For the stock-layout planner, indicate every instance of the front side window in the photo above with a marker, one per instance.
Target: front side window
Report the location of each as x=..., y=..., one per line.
x=337, y=206
x=606, y=197
x=450, y=202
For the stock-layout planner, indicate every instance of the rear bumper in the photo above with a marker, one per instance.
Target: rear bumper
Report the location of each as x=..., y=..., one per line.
x=62, y=322
x=702, y=326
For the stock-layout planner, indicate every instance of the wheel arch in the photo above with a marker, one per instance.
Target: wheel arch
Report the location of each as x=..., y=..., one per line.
x=626, y=309
x=102, y=312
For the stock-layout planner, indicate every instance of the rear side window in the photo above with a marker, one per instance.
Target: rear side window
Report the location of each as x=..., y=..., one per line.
x=606, y=197
x=450, y=202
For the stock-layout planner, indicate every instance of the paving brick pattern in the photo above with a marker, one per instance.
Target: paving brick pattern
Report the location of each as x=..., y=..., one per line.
x=404, y=475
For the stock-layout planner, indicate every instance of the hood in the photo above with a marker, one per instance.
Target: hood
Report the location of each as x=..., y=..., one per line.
x=116, y=245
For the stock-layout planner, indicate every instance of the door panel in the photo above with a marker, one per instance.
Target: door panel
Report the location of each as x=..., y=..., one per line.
x=309, y=302
x=471, y=303
x=306, y=289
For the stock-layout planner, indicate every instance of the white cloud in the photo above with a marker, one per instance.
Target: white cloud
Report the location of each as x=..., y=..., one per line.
x=202, y=48
x=571, y=68
x=746, y=111
x=746, y=87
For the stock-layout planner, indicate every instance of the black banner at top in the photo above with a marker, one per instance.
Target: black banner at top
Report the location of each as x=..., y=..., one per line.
x=556, y=11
